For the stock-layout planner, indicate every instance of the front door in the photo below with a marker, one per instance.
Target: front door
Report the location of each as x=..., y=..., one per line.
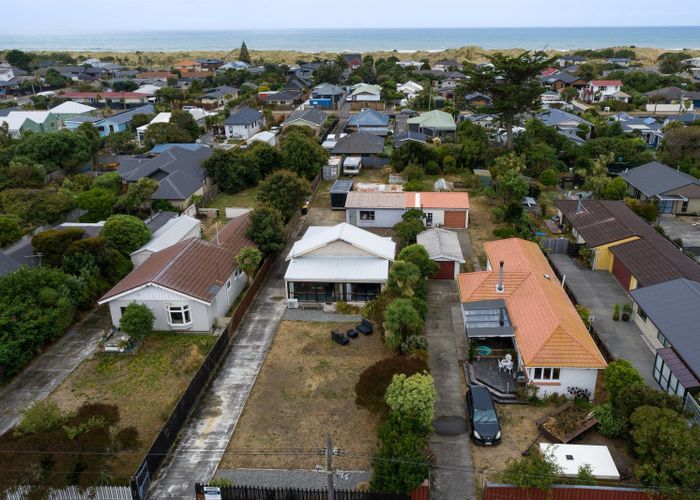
x=353, y=217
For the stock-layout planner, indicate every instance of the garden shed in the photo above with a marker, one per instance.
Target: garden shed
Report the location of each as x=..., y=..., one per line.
x=339, y=193
x=570, y=457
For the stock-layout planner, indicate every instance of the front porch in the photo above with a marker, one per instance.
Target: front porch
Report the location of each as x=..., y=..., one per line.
x=328, y=293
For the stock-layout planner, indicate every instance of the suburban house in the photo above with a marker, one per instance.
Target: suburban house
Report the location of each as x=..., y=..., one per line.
x=19, y=122
x=410, y=89
x=243, y=124
x=443, y=248
x=619, y=61
x=385, y=209
x=434, y=123
x=69, y=109
x=370, y=121
x=326, y=96
x=198, y=115
x=217, y=96
x=445, y=65
x=364, y=95
x=121, y=121
x=233, y=65
x=624, y=244
x=647, y=128
x=173, y=231
x=187, y=65
x=310, y=117
x=107, y=99
x=338, y=263
x=519, y=304
x=603, y=90
x=563, y=121
x=668, y=314
x=401, y=138
x=477, y=100
x=560, y=80
x=676, y=192
x=570, y=60
x=177, y=169
x=209, y=64
x=361, y=145
x=283, y=99
x=188, y=285
x=354, y=61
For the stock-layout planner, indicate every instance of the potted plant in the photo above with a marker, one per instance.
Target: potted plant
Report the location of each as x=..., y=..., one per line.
x=472, y=350
x=616, y=312
x=626, y=312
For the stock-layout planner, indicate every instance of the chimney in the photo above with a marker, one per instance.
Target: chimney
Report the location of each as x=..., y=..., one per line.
x=579, y=206
x=499, y=287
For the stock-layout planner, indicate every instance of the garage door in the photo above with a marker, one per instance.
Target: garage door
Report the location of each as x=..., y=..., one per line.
x=446, y=272
x=621, y=273
x=455, y=218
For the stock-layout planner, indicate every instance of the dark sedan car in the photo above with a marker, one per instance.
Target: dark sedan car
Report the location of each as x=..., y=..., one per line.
x=481, y=412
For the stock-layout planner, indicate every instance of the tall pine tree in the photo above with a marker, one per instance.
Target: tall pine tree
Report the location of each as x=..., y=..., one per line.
x=244, y=56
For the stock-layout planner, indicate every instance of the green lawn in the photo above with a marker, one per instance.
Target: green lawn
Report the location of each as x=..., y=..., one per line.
x=245, y=198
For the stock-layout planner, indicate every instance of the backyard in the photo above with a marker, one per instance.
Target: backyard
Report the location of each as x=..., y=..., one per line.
x=144, y=386
x=306, y=388
x=481, y=223
x=245, y=199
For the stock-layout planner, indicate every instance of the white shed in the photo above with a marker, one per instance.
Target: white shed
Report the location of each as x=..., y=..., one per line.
x=570, y=457
x=173, y=231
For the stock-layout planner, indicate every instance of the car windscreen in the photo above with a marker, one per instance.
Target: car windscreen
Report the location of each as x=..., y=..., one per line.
x=485, y=416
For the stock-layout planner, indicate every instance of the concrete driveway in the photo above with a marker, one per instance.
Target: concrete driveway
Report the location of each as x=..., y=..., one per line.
x=206, y=435
x=52, y=366
x=452, y=476
x=599, y=291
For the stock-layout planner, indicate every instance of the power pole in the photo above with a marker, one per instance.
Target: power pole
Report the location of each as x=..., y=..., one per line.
x=329, y=467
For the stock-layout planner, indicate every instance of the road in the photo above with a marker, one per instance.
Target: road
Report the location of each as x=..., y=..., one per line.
x=52, y=366
x=343, y=116
x=452, y=476
x=206, y=435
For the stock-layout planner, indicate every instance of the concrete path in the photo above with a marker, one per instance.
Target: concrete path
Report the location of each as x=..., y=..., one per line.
x=51, y=367
x=319, y=316
x=206, y=435
x=452, y=477
x=292, y=478
x=599, y=291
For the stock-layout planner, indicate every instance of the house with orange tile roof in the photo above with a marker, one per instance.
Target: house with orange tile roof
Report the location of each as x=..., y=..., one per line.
x=386, y=208
x=187, y=65
x=187, y=285
x=519, y=305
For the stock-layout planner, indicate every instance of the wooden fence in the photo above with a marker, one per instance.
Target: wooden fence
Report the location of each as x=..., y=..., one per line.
x=167, y=436
x=566, y=492
x=266, y=493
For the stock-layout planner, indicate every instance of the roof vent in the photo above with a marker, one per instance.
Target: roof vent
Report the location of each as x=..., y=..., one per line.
x=569, y=457
x=547, y=276
x=499, y=287
x=579, y=206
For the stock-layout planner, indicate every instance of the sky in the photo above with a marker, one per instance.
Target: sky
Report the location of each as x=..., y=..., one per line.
x=59, y=16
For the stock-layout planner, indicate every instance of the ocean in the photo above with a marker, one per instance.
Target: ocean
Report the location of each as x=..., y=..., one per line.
x=361, y=40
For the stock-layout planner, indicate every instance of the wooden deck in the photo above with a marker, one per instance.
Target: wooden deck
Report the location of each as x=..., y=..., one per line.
x=486, y=372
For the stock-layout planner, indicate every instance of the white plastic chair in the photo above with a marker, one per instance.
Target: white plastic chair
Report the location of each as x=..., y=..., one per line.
x=502, y=363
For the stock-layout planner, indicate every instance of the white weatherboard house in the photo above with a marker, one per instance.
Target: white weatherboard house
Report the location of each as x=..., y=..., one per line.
x=174, y=231
x=338, y=263
x=188, y=285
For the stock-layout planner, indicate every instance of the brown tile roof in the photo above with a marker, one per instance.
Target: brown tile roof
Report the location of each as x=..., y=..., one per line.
x=651, y=259
x=193, y=267
x=548, y=330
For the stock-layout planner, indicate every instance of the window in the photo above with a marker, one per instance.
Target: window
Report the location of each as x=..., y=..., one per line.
x=642, y=314
x=663, y=340
x=545, y=373
x=236, y=274
x=429, y=218
x=228, y=284
x=179, y=315
x=366, y=214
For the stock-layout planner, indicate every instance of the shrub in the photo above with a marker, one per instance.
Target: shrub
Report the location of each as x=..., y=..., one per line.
x=579, y=393
x=620, y=375
x=283, y=190
x=609, y=423
x=125, y=233
x=432, y=167
x=401, y=321
x=374, y=380
x=54, y=243
x=42, y=416
x=638, y=395
x=407, y=230
x=9, y=229
x=549, y=177
x=413, y=173
x=404, y=278
x=418, y=255
x=414, y=344
x=414, y=186
x=128, y=438
x=532, y=471
x=137, y=321
x=266, y=229
x=585, y=475
x=412, y=399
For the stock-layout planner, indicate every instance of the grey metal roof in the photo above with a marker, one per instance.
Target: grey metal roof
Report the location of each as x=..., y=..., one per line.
x=342, y=186
x=554, y=117
x=311, y=115
x=285, y=95
x=369, y=118
x=674, y=308
x=127, y=116
x=441, y=244
x=327, y=89
x=156, y=221
x=7, y=264
x=656, y=178
x=244, y=116
x=401, y=138
x=359, y=143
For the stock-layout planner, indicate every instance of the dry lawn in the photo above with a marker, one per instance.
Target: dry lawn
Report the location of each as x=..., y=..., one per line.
x=145, y=386
x=305, y=390
x=481, y=223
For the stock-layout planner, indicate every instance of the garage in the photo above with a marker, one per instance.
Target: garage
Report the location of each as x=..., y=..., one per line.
x=456, y=219
x=444, y=249
x=621, y=273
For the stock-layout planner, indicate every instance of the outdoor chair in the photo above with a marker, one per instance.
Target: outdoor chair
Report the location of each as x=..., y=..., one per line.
x=352, y=333
x=365, y=327
x=502, y=364
x=339, y=337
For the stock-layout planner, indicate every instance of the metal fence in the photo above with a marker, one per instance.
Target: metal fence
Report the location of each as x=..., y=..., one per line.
x=74, y=493
x=167, y=436
x=265, y=493
x=561, y=246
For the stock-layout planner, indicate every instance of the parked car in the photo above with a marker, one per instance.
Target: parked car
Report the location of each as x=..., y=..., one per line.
x=483, y=420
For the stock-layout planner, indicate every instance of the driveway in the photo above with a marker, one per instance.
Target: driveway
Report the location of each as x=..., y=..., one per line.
x=52, y=366
x=599, y=291
x=452, y=476
x=206, y=435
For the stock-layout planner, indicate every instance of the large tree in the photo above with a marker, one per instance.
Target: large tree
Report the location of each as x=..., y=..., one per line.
x=283, y=190
x=99, y=203
x=126, y=233
x=233, y=170
x=302, y=154
x=243, y=54
x=513, y=84
x=266, y=229
x=164, y=133
x=186, y=122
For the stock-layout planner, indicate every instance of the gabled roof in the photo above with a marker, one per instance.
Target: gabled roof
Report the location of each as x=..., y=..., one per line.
x=285, y=95
x=554, y=117
x=606, y=83
x=369, y=118
x=436, y=120
x=127, y=116
x=441, y=244
x=401, y=138
x=327, y=89
x=244, y=116
x=548, y=330
x=193, y=267
x=312, y=116
x=601, y=221
x=170, y=233
x=7, y=264
x=72, y=108
x=359, y=143
x=375, y=199
x=366, y=88
x=655, y=178
x=318, y=237
x=673, y=307
x=429, y=199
